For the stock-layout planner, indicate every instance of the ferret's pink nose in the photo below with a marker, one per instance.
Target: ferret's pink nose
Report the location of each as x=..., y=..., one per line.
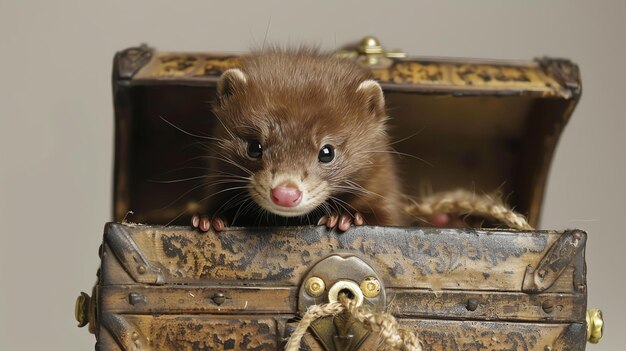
x=286, y=195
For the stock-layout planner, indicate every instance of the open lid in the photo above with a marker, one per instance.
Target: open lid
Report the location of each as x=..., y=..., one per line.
x=483, y=125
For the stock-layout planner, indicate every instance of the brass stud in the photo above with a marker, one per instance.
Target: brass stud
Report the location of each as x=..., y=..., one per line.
x=219, y=298
x=595, y=325
x=81, y=309
x=134, y=335
x=141, y=269
x=547, y=306
x=315, y=287
x=472, y=305
x=370, y=45
x=370, y=287
x=135, y=299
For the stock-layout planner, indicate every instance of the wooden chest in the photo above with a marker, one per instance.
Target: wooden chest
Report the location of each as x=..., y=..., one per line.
x=487, y=125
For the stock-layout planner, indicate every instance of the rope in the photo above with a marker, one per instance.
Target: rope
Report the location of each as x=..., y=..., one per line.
x=465, y=202
x=394, y=337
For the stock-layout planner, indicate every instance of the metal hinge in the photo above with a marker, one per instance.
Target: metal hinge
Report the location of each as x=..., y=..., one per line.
x=370, y=53
x=554, y=262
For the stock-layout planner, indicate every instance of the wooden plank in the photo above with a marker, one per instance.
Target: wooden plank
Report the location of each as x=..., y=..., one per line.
x=415, y=74
x=133, y=299
x=425, y=258
x=493, y=336
x=187, y=333
x=471, y=305
x=194, y=332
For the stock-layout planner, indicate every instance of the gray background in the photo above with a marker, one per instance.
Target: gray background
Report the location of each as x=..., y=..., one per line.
x=56, y=123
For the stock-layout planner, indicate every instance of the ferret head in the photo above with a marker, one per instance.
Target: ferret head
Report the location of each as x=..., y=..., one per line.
x=300, y=128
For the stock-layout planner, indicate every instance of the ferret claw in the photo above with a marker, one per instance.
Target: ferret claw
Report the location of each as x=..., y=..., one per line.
x=342, y=222
x=358, y=219
x=204, y=224
x=345, y=222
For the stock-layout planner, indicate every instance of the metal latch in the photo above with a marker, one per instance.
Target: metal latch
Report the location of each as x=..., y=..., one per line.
x=370, y=53
x=330, y=277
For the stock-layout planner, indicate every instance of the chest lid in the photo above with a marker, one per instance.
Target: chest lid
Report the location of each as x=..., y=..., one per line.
x=485, y=125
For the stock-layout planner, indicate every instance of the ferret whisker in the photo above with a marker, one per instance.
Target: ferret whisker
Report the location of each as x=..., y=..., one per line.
x=346, y=203
x=225, y=127
x=182, y=196
x=229, y=176
x=231, y=202
x=222, y=191
x=186, y=132
x=395, y=153
x=176, y=180
x=207, y=146
x=202, y=185
x=224, y=181
x=407, y=138
x=328, y=209
x=190, y=160
x=177, y=217
x=360, y=188
x=185, y=169
x=340, y=202
x=219, y=174
x=231, y=162
x=249, y=206
x=267, y=30
x=357, y=190
x=239, y=209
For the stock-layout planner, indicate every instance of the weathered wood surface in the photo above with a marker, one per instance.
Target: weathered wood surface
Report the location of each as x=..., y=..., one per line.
x=488, y=306
x=475, y=336
x=193, y=332
x=405, y=257
x=135, y=299
x=188, y=332
x=451, y=304
x=429, y=74
x=171, y=288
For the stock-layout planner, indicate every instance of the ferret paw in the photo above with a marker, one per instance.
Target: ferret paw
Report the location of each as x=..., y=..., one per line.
x=204, y=223
x=342, y=222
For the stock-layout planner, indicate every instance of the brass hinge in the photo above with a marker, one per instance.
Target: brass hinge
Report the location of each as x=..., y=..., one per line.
x=371, y=54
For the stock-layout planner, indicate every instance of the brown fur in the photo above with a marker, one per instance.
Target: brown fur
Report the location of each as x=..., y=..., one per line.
x=294, y=102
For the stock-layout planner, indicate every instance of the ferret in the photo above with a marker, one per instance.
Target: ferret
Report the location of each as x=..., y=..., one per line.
x=302, y=139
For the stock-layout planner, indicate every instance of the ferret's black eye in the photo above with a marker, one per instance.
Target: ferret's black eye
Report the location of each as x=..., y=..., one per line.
x=255, y=150
x=327, y=154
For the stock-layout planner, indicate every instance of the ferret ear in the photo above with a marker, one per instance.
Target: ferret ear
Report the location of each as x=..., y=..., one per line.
x=374, y=97
x=231, y=81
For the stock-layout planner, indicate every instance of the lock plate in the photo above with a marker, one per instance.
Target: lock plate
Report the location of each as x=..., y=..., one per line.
x=338, y=268
x=341, y=274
